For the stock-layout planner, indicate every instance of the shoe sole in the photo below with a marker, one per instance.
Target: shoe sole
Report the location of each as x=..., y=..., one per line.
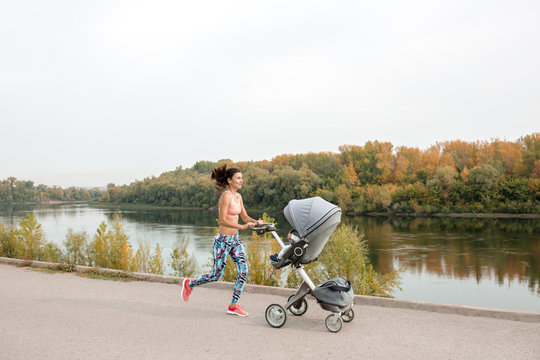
x=235, y=313
x=183, y=287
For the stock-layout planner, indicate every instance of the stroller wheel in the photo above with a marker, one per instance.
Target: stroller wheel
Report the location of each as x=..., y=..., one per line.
x=301, y=309
x=275, y=315
x=348, y=315
x=333, y=323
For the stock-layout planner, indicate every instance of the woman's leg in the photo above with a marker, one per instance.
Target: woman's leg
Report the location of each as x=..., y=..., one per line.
x=220, y=252
x=238, y=255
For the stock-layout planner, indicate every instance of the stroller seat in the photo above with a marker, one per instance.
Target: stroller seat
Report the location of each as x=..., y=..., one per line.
x=292, y=255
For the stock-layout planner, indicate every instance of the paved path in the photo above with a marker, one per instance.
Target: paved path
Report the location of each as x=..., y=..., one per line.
x=65, y=316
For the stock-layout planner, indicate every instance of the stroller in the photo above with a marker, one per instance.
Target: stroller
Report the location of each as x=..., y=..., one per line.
x=313, y=220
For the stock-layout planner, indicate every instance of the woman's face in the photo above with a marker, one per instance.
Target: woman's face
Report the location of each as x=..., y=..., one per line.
x=236, y=181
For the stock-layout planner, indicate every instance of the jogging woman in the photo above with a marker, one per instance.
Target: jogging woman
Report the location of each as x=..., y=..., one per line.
x=226, y=242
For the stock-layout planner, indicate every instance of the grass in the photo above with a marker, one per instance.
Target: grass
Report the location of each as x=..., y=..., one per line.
x=44, y=270
x=91, y=274
x=98, y=276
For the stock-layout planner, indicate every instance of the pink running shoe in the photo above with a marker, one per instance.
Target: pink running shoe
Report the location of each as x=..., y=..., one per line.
x=186, y=291
x=237, y=311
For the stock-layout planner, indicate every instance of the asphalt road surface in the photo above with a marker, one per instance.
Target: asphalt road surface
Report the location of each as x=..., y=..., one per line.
x=65, y=316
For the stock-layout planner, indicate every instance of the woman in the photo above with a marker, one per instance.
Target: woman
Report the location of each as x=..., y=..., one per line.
x=226, y=242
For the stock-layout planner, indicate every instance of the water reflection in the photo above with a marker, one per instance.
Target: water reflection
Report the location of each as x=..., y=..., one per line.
x=200, y=218
x=498, y=249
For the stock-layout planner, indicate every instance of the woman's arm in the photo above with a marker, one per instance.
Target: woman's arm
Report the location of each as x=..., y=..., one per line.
x=245, y=216
x=223, y=204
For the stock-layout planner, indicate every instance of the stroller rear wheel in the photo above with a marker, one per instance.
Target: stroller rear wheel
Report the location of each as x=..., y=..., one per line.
x=348, y=315
x=333, y=323
x=298, y=308
x=275, y=315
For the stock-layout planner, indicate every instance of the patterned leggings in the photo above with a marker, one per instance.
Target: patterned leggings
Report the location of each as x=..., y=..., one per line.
x=223, y=246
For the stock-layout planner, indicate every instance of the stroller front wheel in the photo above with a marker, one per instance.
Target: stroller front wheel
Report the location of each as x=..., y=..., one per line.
x=275, y=315
x=348, y=315
x=301, y=309
x=333, y=323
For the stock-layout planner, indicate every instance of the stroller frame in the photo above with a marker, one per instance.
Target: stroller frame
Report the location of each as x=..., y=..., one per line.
x=276, y=314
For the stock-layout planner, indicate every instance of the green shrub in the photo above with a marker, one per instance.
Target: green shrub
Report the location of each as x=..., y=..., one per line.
x=31, y=238
x=141, y=261
x=369, y=282
x=182, y=262
x=9, y=246
x=52, y=253
x=144, y=261
x=76, y=245
x=99, y=247
x=156, y=261
x=110, y=247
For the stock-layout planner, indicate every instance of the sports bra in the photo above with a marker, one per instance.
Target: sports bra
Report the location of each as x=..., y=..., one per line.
x=234, y=208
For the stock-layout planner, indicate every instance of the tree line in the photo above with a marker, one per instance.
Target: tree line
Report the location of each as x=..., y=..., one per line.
x=25, y=191
x=451, y=176
x=448, y=177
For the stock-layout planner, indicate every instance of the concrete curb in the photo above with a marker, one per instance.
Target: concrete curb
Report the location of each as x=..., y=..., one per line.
x=260, y=289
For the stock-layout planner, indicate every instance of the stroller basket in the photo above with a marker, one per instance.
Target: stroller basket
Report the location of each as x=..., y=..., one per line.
x=337, y=291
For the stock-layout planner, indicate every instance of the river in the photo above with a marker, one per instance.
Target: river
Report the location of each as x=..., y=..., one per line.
x=478, y=262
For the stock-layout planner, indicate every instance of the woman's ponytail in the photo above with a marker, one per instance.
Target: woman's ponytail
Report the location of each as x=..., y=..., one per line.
x=220, y=176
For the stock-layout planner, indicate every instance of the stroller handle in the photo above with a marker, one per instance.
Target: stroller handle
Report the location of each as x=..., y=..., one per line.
x=263, y=228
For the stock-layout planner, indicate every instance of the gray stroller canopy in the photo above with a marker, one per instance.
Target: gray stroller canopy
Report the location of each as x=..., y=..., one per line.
x=315, y=219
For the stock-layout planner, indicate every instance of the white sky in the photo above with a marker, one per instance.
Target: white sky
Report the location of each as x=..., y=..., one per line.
x=93, y=92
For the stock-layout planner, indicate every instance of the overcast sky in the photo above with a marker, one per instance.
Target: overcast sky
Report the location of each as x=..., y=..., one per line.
x=93, y=92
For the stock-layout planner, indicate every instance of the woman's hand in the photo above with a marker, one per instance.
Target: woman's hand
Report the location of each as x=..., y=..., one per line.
x=259, y=222
x=248, y=225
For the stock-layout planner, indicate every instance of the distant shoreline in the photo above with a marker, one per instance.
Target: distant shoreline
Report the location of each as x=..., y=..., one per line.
x=145, y=206
x=49, y=202
x=373, y=214
x=454, y=215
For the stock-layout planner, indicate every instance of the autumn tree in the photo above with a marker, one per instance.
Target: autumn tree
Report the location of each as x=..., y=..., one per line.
x=372, y=162
x=407, y=162
x=464, y=154
x=530, y=147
